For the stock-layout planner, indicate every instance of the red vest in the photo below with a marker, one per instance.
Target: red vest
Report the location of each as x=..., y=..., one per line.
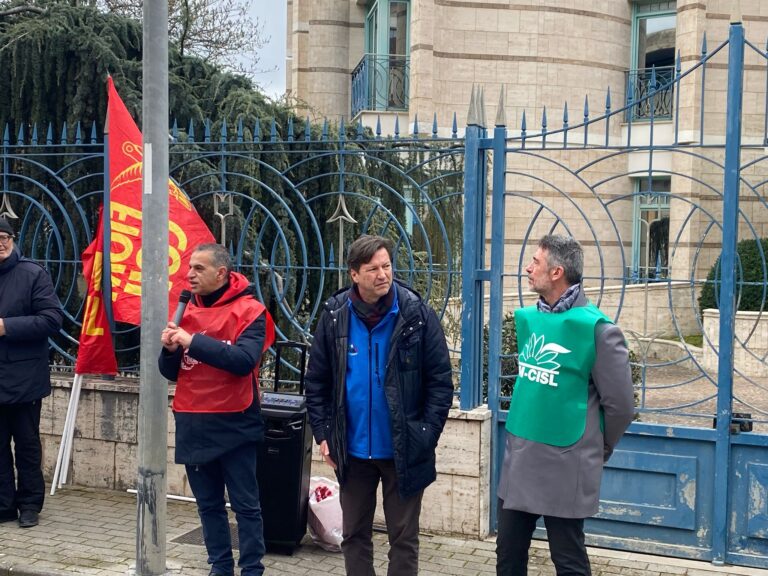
x=203, y=388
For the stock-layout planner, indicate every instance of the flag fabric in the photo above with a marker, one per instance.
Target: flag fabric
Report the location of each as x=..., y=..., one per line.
x=186, y=228
x=96, y=353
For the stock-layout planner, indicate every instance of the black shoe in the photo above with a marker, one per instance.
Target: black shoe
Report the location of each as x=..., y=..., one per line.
x=28, y=518
x=214, y=572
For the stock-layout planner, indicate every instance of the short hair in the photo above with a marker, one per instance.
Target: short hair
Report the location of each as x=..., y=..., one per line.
x=219, y=255
x=564, y=251
x=361, y=251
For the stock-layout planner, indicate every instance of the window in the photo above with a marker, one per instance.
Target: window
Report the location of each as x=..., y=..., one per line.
x=653, y=52
x=650, y=246
x=380, y=80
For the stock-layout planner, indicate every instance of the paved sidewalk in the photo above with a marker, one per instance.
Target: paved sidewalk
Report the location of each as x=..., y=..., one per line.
x=86, y=531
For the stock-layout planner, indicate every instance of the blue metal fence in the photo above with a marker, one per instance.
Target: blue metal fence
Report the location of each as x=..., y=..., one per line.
x=286, y=207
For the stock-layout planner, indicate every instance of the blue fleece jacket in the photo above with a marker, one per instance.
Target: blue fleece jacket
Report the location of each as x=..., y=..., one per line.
x=369, y=430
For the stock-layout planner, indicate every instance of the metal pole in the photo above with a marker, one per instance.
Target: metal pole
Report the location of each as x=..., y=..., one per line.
x=153, y=399
x=728, y=291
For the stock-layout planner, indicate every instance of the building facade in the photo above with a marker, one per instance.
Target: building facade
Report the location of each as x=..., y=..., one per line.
x=558, y=61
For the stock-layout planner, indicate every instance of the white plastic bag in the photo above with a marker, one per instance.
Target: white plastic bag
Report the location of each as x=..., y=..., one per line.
x=324, y=516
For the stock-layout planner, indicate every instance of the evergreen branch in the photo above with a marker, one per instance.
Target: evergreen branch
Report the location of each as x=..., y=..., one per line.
x=20, y=9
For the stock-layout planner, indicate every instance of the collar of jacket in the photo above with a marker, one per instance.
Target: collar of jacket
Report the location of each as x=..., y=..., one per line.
x=11, y=261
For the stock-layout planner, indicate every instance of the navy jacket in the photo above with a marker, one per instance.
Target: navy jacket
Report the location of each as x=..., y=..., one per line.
x=32, y=313
x=418, y=386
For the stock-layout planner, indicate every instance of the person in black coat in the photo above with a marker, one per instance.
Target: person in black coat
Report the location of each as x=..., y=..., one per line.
x=30, y=312
x=379, y=388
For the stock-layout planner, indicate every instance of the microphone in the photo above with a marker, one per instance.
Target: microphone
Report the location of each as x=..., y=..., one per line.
x=184, y=297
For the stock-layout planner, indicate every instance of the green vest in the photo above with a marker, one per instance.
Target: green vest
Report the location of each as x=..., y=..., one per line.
x=557, y=352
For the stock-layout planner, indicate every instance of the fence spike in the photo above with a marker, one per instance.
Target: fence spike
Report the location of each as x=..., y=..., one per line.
x=78, y=136
x=481, y=103
x=273, y=131
x=608, y=101
x=397, y=127
x=331, y=256
x=224, y=131
x=586, y=108
x=565, y=114
x=472, y=119
x=48, y=135
x=523, y=124
x=175, y=129
x=342, y=130
x=6, y=138
x=434, y=125
x=20, y=138
x=704, y=46
x=191, y=130
x=544, y=118
x=378, y=126
x=307, y=130
x=416, y=125
x=290, y=129
x=34, y=134
x=679, y=63
x=257, y=130
x=94, y=139
x=454, y=127
x=240, y=130
x=64, y=133
x=207, y=134
x=325, y=129
x=501, y=113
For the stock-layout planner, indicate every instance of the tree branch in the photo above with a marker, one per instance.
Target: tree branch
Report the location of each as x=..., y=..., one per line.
x=19, y=9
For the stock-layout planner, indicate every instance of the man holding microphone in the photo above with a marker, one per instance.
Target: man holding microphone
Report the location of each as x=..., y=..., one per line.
x=214, y=356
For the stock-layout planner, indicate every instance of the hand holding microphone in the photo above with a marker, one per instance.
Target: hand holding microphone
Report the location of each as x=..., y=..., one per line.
x=172, y=336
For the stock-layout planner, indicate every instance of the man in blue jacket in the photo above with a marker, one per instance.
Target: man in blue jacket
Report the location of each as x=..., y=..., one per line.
x=379, y=388
x=30, y=312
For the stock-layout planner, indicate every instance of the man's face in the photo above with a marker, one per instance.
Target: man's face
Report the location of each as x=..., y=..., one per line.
x=539, y=273
x=203, y=276
x=374, y=278
x=6, y=245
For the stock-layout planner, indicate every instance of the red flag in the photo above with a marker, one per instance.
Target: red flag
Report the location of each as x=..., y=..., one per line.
x=186, y=229
x=96, y=354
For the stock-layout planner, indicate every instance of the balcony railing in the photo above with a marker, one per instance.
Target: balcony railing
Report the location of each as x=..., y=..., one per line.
x=380, y=82
x=648, y=104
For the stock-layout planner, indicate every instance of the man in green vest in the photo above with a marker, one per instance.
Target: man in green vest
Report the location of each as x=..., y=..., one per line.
x=572, y=401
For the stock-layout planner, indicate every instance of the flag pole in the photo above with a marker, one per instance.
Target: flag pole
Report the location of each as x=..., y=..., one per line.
x=70, y=431
x=64, y=440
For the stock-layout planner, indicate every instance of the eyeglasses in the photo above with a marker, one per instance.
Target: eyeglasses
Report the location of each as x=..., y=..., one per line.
x=5, y=238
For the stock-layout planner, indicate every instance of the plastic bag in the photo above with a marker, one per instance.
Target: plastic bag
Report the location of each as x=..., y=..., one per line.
x=324, y=516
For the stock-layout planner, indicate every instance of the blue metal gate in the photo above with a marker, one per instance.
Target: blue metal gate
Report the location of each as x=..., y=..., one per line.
x=656, y=203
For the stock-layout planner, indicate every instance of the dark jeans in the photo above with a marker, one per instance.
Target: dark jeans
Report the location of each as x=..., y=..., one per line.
x=237, y=471
x=23, y=489
x=358, y=504
x=566, y=543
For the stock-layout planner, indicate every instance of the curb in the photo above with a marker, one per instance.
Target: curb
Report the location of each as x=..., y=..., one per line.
x=10, y=570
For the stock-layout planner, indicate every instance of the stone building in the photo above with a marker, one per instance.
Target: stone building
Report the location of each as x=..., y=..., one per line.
x=377, y=60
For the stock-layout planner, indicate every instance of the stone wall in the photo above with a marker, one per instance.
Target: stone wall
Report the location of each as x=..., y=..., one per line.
x=105, y=451
x=750, y=348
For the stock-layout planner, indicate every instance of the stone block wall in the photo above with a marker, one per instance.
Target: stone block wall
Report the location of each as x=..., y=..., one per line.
x=105, y=451
x=750, y=348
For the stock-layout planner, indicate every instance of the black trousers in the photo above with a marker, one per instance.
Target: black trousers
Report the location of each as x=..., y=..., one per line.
x=358, y=504
x=566, y=543
x=24, y=487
